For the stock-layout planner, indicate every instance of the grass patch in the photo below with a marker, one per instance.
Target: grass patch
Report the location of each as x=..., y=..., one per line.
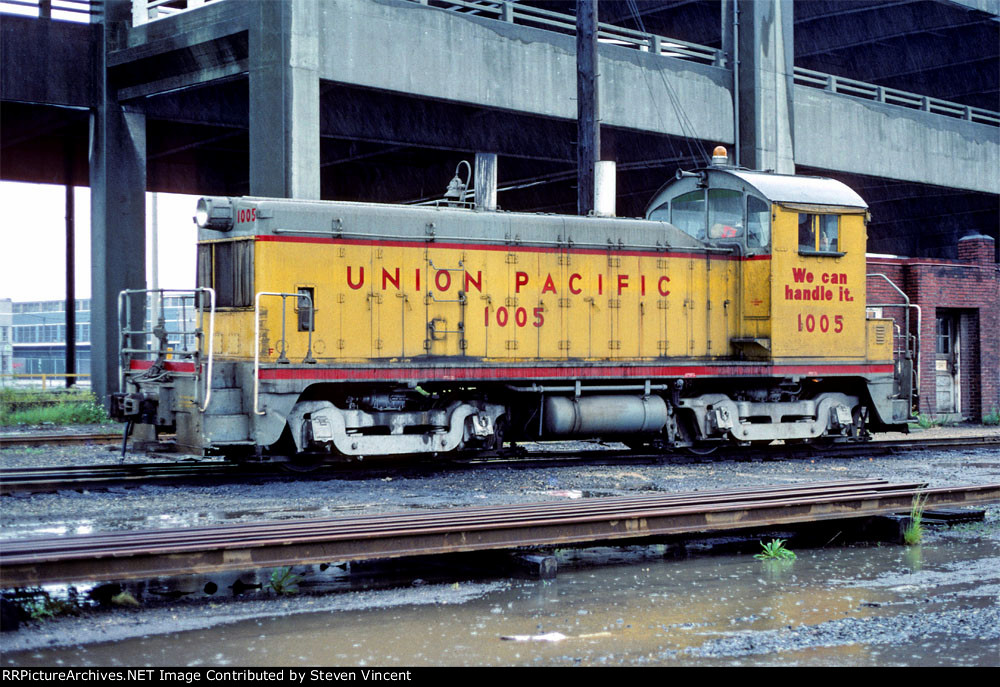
x=992, y=417
x=284, y=581
x=914, y=532
x=775, y=551
x=58, y=407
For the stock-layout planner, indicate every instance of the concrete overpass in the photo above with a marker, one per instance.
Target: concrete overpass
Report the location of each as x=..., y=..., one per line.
x=378, y=99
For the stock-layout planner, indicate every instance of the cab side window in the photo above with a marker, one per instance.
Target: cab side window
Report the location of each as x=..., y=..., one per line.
x=829, y=233
x=819, y=233
x=807, y=232
x=758, y=224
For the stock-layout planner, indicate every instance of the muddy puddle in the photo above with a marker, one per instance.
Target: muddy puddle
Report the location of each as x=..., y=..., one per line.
x=865, y=605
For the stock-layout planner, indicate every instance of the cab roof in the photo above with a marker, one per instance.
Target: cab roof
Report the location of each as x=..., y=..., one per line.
x=777, y=188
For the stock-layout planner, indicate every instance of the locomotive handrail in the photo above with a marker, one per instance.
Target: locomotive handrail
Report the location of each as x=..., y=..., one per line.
x=283, y=340
x=570, y=243
x=125, y=304
x=906, y=309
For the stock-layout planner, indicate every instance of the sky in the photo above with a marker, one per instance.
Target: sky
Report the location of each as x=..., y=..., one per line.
x=33, y=241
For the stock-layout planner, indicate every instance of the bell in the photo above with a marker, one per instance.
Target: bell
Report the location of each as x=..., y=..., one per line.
x=456, y=190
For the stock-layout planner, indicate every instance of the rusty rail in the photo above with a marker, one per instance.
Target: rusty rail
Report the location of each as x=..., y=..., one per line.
x=123, y=555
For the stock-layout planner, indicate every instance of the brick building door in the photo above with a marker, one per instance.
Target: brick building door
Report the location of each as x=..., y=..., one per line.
x=946, y=363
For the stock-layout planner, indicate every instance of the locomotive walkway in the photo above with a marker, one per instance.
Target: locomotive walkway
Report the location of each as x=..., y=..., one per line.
x=131, y=555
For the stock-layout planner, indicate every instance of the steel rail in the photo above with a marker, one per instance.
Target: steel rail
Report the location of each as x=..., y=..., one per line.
x=471, y=515
x=46, y=479
x=139, y=554
x=55, y=439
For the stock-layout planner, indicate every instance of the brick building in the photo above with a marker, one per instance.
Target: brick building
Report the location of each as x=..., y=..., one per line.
x=954, y=322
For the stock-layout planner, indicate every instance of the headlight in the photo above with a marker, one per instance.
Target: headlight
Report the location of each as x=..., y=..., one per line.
x=214, y=213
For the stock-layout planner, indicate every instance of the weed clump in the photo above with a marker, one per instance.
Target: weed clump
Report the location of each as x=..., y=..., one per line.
x=775, y=551
x=914, y=532
x=284, y=581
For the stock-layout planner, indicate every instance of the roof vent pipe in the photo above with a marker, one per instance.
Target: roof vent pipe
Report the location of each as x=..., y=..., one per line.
x=605, y=188
x=486, y=181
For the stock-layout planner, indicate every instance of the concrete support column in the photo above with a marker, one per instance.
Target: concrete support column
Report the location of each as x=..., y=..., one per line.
x=766, y=63
x=118, y=212
x=284, y=99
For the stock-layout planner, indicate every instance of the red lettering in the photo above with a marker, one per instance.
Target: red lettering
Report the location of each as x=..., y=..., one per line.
x=520, y=279
x=477, y=282
x=799, y=274
x=387, y=278
x=416, y=273
x=447, y=280
x=571, y=278
x=642, y=285
x=521, y=317
x=502, y=316
x=622, y=283
x=539, y=316
x=660, y=286
x=600, y=284
x=361, y=278
x=549, y=285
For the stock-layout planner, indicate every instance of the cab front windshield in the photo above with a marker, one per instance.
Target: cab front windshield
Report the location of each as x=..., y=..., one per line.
x=720, y=214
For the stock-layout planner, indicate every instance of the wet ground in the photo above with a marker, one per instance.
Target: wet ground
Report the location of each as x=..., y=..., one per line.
x=857, y=605
x=938, y=604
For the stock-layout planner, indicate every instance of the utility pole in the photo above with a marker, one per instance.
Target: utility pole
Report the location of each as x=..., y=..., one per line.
x=588, y=128
x=70, y=270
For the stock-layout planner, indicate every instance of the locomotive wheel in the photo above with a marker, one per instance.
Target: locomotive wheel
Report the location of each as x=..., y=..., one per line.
x=500, y=428
x=859, y=428
x=702, y=450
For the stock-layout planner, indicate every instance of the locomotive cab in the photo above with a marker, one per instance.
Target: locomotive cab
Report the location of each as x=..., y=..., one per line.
x=801, y=243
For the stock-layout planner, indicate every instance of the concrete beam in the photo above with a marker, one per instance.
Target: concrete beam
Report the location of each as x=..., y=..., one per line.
x=50, y=62
x=988, y=6
x=841, y=133
x=408, y=48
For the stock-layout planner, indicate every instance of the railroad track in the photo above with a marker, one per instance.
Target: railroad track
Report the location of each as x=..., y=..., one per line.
x=48, y=479
x=58, y=439
x=151, y=553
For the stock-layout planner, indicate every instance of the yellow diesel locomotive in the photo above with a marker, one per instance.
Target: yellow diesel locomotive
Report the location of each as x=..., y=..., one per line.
x=734, y=313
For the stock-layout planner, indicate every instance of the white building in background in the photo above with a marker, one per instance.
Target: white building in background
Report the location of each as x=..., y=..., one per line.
x=37, y=332
x=6, y=336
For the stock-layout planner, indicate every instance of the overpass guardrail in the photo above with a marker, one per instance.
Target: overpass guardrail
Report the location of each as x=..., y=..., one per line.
x=893, y=96
x=672, y=47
